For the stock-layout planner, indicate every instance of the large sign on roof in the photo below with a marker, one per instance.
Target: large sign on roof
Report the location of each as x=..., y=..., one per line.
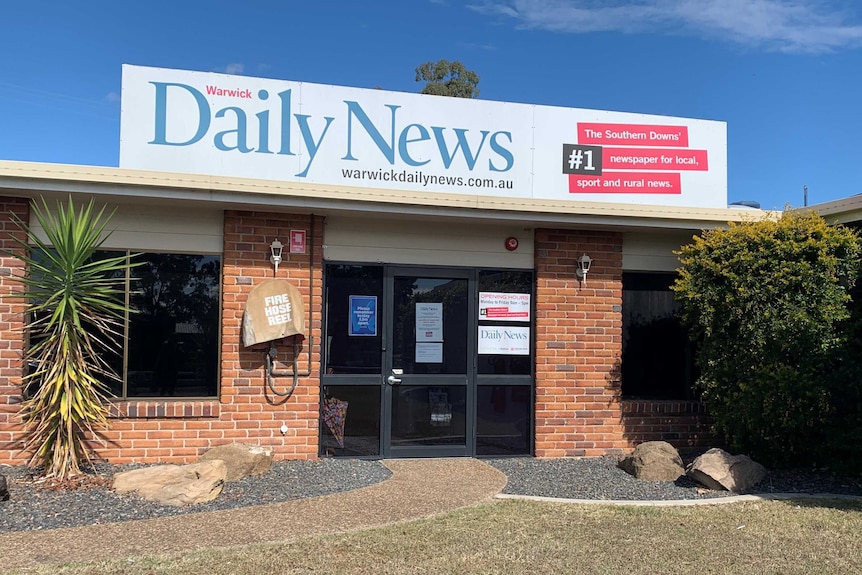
x=216, y=124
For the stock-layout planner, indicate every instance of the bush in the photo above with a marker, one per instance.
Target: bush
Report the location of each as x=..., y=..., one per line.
x=769, y=303
x=74, y=305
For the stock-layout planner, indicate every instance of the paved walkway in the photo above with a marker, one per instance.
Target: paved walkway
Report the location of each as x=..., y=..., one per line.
x=418, y=488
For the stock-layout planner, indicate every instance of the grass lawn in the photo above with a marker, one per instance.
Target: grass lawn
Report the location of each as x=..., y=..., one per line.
x=811, y=537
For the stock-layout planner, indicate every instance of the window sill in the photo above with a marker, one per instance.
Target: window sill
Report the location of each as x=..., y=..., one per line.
x=632, y=406
x=163, y=409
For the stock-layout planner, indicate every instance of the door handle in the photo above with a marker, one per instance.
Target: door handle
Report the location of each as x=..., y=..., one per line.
x=392, y=380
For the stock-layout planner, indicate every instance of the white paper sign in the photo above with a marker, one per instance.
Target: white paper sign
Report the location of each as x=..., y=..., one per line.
x=504, y=306
x=504, y=340
x=429, y=352
x=429, y=322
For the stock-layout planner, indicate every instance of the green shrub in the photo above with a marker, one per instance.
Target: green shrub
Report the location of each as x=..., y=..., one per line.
x=768, y=302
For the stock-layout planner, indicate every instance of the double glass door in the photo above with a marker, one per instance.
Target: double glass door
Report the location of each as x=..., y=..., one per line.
x=400, y=363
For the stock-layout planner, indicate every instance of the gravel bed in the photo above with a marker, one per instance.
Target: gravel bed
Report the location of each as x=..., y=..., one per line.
x=600, y=478
x=31, y=508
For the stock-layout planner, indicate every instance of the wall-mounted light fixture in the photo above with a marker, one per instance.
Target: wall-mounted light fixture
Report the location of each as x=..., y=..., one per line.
x=276, y=248
x=584, y=263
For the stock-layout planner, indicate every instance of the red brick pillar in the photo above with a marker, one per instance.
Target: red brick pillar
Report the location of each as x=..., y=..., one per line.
x=249, y=412
x=11, y=331
x=578, y=344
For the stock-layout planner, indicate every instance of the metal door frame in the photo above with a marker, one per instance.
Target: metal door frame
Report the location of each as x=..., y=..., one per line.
x=390, y=272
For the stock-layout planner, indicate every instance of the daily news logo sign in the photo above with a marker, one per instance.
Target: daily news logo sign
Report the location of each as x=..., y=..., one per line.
x=216, y=124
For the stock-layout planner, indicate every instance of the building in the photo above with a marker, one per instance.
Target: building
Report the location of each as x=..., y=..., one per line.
x=454, y=277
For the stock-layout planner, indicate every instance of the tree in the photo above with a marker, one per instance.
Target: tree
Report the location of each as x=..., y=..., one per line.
x=445, y=78
x=768, y=303
x=74, y=308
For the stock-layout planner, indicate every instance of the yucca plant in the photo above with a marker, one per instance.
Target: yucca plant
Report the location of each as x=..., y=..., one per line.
x=75, y=308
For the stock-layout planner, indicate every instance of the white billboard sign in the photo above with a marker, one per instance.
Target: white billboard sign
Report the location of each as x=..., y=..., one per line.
x=217, y=124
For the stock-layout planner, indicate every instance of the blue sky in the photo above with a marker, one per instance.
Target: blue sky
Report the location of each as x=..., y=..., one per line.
x=784, y=74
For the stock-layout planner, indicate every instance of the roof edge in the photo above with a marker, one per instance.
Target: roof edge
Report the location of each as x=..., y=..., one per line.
x=127, y=182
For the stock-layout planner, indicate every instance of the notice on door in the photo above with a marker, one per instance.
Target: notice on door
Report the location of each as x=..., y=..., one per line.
x=429, y=352
x=429, y=322
x=363, y=315
x=429, y=333
x=504, y=340
x=504, y=306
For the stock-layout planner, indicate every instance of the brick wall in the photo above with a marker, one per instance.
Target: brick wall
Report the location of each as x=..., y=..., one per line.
x=255, y=414
x=579, y=410
x=683, y=424
x=11, y=330
x=578, y=344
x=179, y=431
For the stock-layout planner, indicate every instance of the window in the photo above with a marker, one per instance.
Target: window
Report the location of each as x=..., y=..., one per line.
x=353, y=349
x=173, y=335
x=509, y=282
x=658, y=357
x=504, y=391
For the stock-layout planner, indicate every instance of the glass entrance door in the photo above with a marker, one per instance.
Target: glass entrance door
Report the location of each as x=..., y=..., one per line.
x=428, y=392
x=426, y=362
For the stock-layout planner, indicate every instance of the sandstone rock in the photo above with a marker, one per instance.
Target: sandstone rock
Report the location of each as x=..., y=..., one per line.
x=4, y=489
x=241, y=460
x=654, y=461
x=719, y=470
x=175, y=484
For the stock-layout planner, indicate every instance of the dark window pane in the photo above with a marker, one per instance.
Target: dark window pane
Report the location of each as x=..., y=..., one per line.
x=504, y=364
x=506, y=281
x=503, y=419
x=115, y=360
x=501, y=281
x=109, y=347
x=350, y=420
x=435, y=350
x=657, y=360
x=173, y=336
x=354, y=295
x=428, y=415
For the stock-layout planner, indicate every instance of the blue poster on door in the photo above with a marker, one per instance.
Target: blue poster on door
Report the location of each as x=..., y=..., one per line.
x=363, y=315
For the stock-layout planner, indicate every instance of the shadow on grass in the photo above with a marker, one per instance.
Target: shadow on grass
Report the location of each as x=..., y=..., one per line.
x=813, y=501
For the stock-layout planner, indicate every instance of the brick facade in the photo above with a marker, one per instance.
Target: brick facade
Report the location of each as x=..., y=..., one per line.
x=153, y=430
x=11, y=329
x=683, y=424
x=579, y=409
x=578, y=344
x=246, y=403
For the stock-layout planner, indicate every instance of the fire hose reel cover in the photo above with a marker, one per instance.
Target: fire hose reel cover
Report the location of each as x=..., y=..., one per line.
x=273, y=311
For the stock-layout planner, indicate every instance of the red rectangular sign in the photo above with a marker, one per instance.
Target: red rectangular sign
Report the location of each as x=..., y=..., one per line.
x=504, y=313
x=652, y=159
x=632, y=135
x=625, y=183
x=297, y=241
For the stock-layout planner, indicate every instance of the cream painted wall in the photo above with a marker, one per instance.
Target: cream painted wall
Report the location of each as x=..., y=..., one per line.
x=402, y=241
x=385, y=239
x=162, y=229
x=653, y=252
